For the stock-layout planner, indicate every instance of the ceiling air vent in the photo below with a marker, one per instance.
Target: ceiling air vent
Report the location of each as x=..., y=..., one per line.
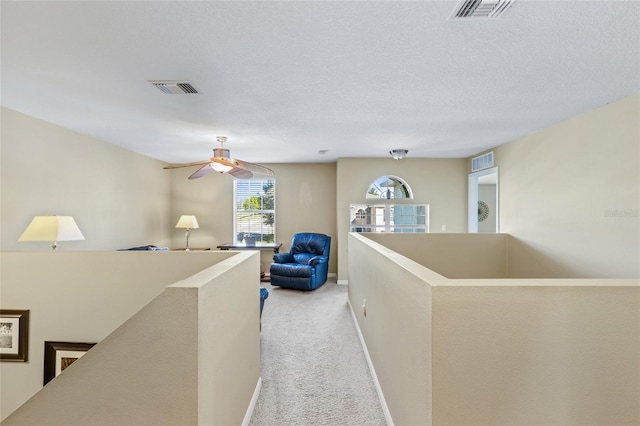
x=482, y=162
x=481, y=8
x=174, y=87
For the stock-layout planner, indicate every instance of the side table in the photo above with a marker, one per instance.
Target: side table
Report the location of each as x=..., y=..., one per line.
x=241, y=246
x=265, y=246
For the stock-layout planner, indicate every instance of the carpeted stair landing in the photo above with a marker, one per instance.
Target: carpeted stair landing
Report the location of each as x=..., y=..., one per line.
x=313, y=367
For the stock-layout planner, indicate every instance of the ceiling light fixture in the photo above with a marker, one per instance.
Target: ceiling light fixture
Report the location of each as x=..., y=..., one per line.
x=222, y=168
x=398, y=154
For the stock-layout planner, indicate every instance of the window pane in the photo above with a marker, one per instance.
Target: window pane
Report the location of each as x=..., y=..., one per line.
x=390, y=218
x=254, y=215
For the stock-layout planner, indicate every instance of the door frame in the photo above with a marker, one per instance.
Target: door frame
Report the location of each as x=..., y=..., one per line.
x=472, y=225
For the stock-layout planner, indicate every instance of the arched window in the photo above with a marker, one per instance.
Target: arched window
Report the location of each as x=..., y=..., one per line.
x=388, y=187
x=383, y=216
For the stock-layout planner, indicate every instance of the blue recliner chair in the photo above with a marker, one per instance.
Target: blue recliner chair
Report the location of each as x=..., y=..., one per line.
x=306, y=265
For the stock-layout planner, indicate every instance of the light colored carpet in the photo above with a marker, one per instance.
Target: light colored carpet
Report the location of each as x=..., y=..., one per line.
x=314, y=370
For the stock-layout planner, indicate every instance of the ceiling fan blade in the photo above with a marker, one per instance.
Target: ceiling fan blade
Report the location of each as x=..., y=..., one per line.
x=240, y=173
x=195, y=163
x=201, y=171
x=254, y=168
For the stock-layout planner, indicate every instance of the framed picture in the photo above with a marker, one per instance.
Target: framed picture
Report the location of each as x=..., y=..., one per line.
x=60, y=355
x=14, y=335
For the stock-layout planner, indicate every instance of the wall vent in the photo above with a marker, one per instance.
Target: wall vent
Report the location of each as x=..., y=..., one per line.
x=481, y=8
x=482, y=162
x=174, y=87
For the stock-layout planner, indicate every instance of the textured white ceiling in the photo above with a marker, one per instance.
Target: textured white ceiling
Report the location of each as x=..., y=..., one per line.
x=285, y=79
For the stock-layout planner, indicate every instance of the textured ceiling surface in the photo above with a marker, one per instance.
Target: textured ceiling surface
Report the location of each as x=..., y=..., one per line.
x=283, y=80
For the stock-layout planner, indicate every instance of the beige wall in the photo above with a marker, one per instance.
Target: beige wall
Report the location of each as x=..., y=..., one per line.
x=570, y=195
x=439, y=182
x=229, y=339
x=118, y=198
x=397, y=325
x=140, y=374
x=453, y=255
x=496, y=351
x=80, y=297
x=305, y=202
x=536, y=352
x=210, y=199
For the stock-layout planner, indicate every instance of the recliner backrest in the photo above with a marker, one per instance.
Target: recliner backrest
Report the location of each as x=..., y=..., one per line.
x=309, y=242
x=303, y=257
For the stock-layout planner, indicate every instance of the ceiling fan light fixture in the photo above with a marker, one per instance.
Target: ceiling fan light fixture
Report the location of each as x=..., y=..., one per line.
x=222, y=168
x=398, y=154
x=221, y=161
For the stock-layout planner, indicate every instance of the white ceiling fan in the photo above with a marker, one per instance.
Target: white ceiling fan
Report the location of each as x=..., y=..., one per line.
x=223, y=163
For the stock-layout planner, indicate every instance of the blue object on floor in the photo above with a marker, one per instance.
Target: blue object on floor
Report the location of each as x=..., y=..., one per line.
x=264, y=293
x=306, y=265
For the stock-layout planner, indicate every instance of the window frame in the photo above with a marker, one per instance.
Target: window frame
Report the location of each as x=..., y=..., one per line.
x=236, y=202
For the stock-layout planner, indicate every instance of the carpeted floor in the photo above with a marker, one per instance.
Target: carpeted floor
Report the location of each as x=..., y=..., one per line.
x=313, y=367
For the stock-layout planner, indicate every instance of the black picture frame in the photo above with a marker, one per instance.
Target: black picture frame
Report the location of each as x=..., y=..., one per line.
x=59, y=355
x=14, y=335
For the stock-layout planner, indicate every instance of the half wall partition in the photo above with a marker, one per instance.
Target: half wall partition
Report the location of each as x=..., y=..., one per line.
x=491, y=349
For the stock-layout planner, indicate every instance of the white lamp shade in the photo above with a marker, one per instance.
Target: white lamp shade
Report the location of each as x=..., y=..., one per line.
x=186, y=221
x=52, y=228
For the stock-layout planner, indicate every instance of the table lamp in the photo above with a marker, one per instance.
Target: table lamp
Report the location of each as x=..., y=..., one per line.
x=52, y=228
x=187, y=222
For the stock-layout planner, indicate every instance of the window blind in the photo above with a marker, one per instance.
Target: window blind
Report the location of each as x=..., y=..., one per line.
x=254, y=210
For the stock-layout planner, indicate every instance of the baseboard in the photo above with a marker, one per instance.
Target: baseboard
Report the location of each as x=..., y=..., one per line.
x=252, y=404
x=376, y=383
x=332, y=274
x=342, y=282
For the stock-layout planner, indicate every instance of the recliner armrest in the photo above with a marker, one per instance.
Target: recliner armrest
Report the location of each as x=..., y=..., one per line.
x=318, y=259
x=283, y=258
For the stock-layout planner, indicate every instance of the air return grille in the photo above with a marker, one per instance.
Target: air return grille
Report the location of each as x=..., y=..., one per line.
x=481, y=8
x=482, y=162
x=174, y=87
